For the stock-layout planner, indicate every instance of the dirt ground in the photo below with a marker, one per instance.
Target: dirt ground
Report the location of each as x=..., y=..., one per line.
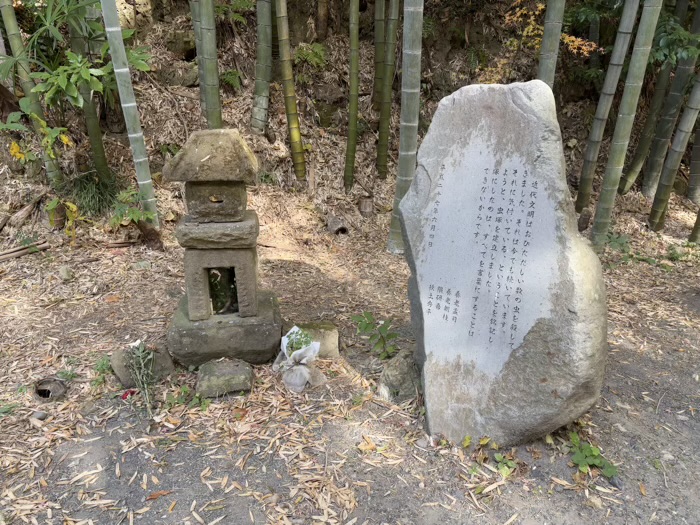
x=337, y=453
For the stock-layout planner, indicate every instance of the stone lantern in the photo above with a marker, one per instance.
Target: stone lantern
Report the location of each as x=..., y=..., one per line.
x=223, y=313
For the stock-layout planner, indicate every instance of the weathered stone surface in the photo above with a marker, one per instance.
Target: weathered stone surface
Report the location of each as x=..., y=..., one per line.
x=253, y=339
x=198, y=262
x=213, y=155
x=162, y=365
x=216, y=378
x=219, y=235
x=323, y=332
x=400, y=379
x=215, y=201
x=508, y=300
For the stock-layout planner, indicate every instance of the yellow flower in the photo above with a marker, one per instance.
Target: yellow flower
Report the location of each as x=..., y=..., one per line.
x=66, y=140
x=16, y=152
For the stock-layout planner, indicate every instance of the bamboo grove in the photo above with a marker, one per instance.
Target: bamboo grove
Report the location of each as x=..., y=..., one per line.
x=654, y=44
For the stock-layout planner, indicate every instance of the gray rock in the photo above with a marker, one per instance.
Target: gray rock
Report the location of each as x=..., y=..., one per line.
x=400, y=379
x=216, y=378
x=213, y=155
x=216, y=201
x=40, y=415
x=213, y=235
x=253, y=339
x=162, y=365
x=508, y=301
x=65, y=273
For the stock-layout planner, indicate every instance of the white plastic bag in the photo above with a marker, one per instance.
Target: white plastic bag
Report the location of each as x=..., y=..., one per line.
x=297, y=368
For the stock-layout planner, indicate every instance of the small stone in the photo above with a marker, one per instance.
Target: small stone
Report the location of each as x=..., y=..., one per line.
x=400, y=379
x=667, y=456
x=141, y=265
x=65, y=273
x=422, y=443
x=216, y=378
x=325, y=333
x=40, y=415
x=162, y=365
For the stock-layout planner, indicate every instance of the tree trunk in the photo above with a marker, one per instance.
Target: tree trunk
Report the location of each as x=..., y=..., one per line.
x=349, y=177
x=210, y=65
x=663, y=79
x=379, y=32
x=669, y=117
x=263, y=67
x=290, y=99
x=694, y=187
x=612, y=77
x=594, y=36
x=550, y=41
x=674, y=157
x=322, y=13
x=80, y=46
x=389, y=69
x=131, y=113
x=53, y=173
x=410, y=112
x=625, y=120
x=195, y=11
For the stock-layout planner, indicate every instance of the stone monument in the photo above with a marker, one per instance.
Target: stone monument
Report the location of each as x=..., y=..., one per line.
x=508, y=301
x=223, y=314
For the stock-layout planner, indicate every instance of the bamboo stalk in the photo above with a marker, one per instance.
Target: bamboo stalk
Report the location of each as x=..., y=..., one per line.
x=290, y=99
x=694, y=186
x=410, y=113
x=210, y=65
x=550, y=41
x=674, y=157
x=24, y=251
x=669, y=116
x=625, y=121
x=350, y=151
x=197, y=26
x=695, y=234
x=379, y=36
x=263, y=67
x=389, y=69
x=612, y=77
x=128, y=102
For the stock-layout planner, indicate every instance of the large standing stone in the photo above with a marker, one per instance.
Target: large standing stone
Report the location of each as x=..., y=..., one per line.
x=508, y=300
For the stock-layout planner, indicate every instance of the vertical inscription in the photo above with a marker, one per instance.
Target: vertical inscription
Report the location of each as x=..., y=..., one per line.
x=500, y=236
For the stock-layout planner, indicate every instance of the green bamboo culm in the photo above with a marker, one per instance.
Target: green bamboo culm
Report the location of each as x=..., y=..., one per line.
x=349, y=175
x=694, y=185
x=553, y=19
x=663, y=79
x=131, y=113
x=290, y=98
x=674, y=157
x=625, y=120
x=210, y=65
x=669, y=116
x=263, y=66
x=389, y=68
x=379, y=32
x=410, y=113
x=612, y=77
x=9, y=18
x=80, y=45
x=195, y=10
x=695, y=234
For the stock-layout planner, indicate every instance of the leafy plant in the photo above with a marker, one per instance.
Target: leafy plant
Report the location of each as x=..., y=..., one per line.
x=127, y=210
x=66, y=81
x=67, y=374
x=8, y=409
x=231, y=78
x=72, y=216
x=234, y=10
x=312, y=54
x=505, y=464
x=619, y=243
x=586, y=456
x=380, y=337
x=298, y=340
x=102, y=368
x=140, y=364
